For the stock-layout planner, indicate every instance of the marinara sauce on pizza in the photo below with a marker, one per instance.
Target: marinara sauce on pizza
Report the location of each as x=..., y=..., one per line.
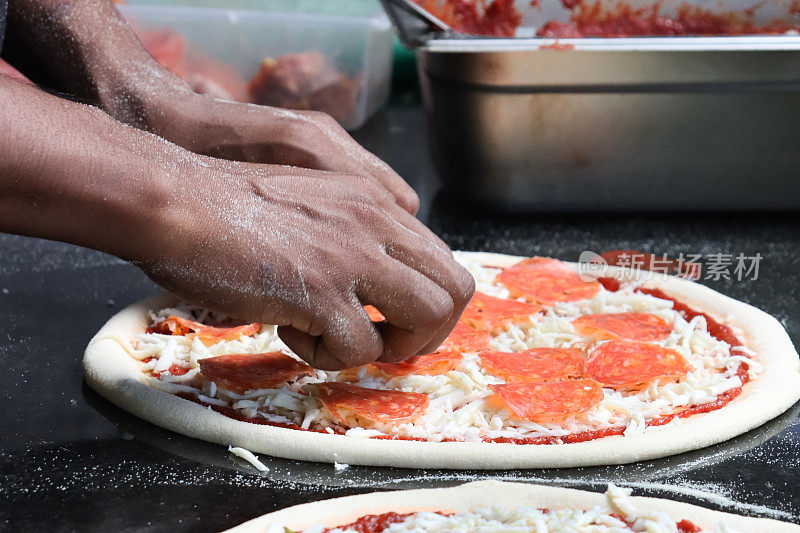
x=540, y=356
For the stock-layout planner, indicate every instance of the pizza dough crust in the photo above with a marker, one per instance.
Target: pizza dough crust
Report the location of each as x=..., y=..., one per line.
x=114, y=374
x=341, y=511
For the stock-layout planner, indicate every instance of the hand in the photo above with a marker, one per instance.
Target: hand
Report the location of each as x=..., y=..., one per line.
x=306, y=250
x=300, y=248
x=100, y=59
x=261, y=134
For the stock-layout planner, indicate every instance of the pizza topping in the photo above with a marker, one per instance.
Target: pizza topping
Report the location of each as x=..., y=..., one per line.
x=550, y=401
x=208, y=335
x=431, y=364
x=373, y=523
x=718, y=331
x=609, y=284
x=371, y=404
x=466, y=339
x=242, y=372
x=536, y=364
x=546, y=281
x=632, y=326
x=458, y=384
x=488, y=313
x=632, y=365
x=373, y=313
x=686, y=526
x=174, y=370
x=618, y=513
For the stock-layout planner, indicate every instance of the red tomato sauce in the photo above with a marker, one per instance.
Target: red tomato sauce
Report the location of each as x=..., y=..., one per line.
x=374, y=523
x=233, y=413
x=175, y=370
x=685, y=526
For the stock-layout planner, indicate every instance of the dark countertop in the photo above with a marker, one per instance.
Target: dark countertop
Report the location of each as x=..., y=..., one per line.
x=69, y=460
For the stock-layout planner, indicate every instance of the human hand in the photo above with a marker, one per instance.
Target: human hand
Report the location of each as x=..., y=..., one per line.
x=306, y=250
x=300, y=248
x=100, y=60
x=261, y=134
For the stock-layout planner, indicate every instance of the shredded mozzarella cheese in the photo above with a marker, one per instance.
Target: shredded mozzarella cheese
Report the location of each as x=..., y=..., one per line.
x=619, y=515
x=248, y=456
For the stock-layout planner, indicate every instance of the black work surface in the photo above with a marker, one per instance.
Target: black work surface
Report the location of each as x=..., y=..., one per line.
x=69, y=460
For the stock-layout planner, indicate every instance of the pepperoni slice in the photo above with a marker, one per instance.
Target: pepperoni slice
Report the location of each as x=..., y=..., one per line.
x=431, y=364
x=465, y=339
x=373, y=313
x=633, y=326
x=371, y=404
x=546, y=281
x=632, y=365
x=242, y=372
x=488, y=313
x=548, y=401
x=208, y=335
x=536, y=364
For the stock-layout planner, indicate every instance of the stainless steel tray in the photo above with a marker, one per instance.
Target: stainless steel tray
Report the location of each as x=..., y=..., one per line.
x=614, y=123
x=672, y=123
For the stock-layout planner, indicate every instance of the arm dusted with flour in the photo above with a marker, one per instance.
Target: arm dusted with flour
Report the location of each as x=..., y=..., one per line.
x=85, y=48
x=71, y=173
x=300, y=248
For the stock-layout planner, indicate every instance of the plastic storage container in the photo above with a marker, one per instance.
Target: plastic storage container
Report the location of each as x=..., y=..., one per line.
x=288, y=54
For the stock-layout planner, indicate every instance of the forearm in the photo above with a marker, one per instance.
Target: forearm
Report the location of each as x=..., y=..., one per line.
x=71, y=173
x=84, y=48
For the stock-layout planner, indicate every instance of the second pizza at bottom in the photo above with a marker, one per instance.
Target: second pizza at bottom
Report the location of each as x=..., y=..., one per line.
x=485, y=506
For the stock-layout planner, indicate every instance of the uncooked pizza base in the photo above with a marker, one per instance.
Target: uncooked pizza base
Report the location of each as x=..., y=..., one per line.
x=341, y=511
x=116, y=375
